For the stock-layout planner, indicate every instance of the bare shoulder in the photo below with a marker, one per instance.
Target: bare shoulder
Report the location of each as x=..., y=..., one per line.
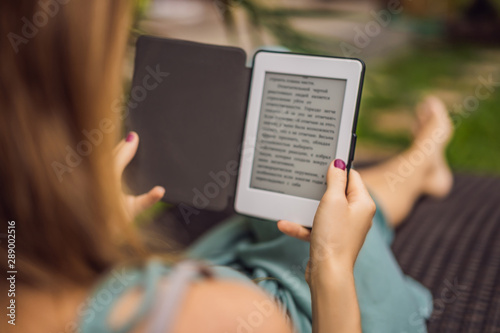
x=229, y=306
x=211, y=306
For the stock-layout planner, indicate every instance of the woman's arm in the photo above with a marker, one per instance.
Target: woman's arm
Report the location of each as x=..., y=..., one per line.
x=340, y=227
x=334, y=302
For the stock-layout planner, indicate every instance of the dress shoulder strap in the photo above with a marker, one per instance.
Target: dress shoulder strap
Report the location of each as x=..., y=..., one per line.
x=168, y=303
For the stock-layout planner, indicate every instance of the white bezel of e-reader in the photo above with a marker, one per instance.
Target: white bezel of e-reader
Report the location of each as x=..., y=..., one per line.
x=277, y=206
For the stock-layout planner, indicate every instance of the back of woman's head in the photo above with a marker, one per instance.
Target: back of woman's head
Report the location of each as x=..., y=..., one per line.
x=60, y=66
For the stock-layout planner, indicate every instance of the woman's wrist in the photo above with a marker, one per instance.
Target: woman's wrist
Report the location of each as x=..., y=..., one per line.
x=329, y=273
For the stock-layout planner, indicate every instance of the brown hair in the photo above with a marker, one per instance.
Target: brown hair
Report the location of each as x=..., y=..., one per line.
x=60, y=70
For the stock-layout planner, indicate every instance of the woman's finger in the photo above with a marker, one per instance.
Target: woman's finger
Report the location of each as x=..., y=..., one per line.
x=294, y=230
x=146, y=200
x=125, y=151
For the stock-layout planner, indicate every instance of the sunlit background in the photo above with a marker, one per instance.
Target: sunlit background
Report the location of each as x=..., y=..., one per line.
x=411, y=47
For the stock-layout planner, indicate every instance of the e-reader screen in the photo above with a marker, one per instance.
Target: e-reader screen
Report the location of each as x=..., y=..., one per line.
x=297, y=134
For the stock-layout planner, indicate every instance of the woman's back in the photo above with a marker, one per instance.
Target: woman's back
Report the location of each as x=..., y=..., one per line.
x=156, y=298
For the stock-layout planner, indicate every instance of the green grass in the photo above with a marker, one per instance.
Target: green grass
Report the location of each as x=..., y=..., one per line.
x=476, y=144
x=399, y=83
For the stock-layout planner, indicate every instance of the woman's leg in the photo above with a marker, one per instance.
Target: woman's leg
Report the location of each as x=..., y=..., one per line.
x=420, y=170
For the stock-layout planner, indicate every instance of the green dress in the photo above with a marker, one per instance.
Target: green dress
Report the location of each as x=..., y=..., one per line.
x=256, y=252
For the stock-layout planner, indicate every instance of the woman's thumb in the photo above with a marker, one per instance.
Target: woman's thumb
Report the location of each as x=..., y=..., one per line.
x=336, y=177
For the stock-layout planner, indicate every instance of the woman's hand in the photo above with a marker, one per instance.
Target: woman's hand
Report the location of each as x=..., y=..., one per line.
x=124, y=152
x=340, y=227
x=341, y=221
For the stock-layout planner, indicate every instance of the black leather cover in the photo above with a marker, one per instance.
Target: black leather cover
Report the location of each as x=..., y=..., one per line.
x=190, y=123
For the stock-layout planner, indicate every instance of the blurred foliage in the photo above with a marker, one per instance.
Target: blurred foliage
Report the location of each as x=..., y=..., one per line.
x=276, y=21
x=397, y=86
x=399, y=83
x=140, y=8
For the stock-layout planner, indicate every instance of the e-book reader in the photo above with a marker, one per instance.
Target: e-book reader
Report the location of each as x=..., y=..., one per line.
x=301, y=115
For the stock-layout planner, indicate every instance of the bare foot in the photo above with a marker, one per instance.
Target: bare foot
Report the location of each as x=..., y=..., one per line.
x=434, y=133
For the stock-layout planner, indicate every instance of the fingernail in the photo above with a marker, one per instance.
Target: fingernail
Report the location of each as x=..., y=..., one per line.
x=130, y=137
x=339, y=164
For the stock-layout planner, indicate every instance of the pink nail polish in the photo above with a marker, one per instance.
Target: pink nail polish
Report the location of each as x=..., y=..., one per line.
x=339, y=164
x=130, y=137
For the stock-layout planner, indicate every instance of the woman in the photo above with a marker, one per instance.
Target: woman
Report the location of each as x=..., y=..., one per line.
x=60, y=65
